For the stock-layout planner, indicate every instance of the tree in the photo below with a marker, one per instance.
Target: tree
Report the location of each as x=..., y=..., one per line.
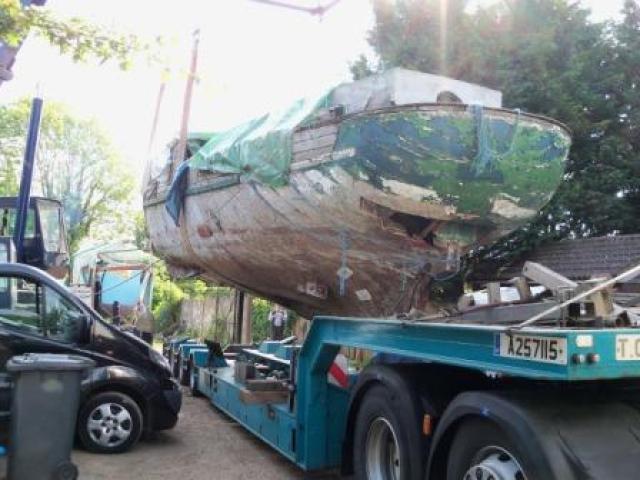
x=72, y=36
x=75, y=164
x=548, y=58
x=167, y=298
x=416, y=34
x=626, y=95
x=11, y=147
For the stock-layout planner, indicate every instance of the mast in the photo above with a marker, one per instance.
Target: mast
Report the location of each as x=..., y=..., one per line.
x=181, y=147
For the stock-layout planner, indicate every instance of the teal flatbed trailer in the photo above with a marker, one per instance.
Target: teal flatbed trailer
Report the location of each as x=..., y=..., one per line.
x=443, y=399
x=533, y=390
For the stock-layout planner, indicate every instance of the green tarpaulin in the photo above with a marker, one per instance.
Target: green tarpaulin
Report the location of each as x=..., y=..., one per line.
x=259, y=149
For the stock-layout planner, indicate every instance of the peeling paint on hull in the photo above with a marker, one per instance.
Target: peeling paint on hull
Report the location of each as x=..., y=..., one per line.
x=363, y=225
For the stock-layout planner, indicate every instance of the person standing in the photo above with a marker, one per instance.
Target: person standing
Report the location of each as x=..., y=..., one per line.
x=115, y=314
x=97, y=295
x=277, y=319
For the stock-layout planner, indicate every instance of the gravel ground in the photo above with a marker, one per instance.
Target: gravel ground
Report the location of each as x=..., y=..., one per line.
x=204, y=445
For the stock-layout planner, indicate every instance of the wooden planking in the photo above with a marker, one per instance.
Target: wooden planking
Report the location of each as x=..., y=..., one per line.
x=493, y=290
x=312, y=154
x=312, y=133
x=253, y=397
x=524, y=291
x=546, y=277
x=263, y=385
x=318, y=142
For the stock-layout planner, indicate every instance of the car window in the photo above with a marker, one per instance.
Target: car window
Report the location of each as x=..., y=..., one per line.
x=50, y=222
x=8, y=222
x=61, y=319
x=29, y=307
x=20, y=305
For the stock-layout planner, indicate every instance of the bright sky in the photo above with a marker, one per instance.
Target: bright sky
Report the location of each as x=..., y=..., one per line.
x=253, y=58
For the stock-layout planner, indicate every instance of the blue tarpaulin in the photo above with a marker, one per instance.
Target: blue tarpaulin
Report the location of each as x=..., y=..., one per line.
x=177, y=191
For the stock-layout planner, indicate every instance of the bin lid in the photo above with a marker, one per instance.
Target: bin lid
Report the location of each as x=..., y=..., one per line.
x=34, y=362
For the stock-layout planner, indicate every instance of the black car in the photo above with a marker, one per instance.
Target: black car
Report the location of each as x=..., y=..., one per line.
x=130, y=390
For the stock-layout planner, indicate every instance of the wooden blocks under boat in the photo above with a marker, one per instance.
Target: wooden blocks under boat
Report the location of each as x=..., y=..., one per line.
x=258, y=390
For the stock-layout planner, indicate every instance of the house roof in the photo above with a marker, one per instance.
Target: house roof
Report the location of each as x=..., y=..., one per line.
x=582, y=258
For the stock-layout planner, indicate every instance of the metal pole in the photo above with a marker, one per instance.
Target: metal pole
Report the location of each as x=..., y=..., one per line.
x=318, y=10
x=237, y=324
x=246, y=334
x=22, y=207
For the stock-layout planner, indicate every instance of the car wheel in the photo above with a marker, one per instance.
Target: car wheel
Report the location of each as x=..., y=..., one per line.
x=109, y=422
x=481, y=450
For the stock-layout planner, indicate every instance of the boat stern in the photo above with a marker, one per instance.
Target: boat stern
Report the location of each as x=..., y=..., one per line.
x=482, y=172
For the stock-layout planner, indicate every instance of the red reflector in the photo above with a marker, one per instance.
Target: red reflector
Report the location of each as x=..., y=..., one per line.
x=426, y=425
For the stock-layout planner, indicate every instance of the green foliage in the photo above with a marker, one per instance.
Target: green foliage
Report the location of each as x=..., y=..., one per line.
x=167, y=297
x=141, y=232
x=74, y=36
x=13, y=132
x=260, y=326
x=548, y=58
x=76, y=164
x=167, y=301
x=196, y=288
x=13, y=25
x=361, y=68
x=409, y=33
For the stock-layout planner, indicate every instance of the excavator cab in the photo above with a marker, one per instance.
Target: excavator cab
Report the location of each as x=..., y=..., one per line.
x=45, y=245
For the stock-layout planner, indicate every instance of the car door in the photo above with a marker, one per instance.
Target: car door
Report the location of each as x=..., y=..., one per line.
x=35, y=318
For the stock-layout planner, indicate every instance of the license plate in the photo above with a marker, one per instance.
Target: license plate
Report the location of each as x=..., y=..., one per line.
x=532, y=347
x=627, y=347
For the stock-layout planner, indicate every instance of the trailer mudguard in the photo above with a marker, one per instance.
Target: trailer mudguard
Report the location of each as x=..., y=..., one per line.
x=565, y=436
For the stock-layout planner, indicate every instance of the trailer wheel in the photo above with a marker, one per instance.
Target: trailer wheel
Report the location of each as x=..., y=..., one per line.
x=382, y=450
x=482, y=451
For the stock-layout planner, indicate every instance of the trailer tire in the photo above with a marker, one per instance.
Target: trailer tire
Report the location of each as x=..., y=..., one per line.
x=482, y=450
x=382, y=446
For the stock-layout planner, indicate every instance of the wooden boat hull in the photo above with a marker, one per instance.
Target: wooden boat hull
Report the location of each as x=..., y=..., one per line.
x=375, y=207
